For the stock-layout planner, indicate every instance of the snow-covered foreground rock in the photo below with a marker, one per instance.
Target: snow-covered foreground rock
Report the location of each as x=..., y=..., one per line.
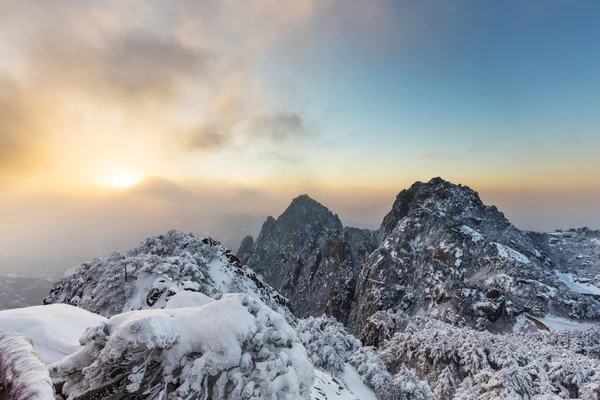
x=162, y=266
x=54, y=329
x=233, y=348
x=23, y=375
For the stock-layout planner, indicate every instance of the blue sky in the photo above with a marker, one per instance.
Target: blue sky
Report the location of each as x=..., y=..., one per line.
x=485, y=76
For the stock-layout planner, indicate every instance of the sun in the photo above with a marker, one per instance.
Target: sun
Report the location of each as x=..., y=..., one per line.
x=123, y=181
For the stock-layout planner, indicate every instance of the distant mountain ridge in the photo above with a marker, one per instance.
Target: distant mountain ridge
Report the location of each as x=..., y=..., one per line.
x=440, y=251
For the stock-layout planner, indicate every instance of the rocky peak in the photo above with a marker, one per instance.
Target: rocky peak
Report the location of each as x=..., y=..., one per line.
x=305, y=212
x=446, y=254
x=436, y=195
x=308, y=254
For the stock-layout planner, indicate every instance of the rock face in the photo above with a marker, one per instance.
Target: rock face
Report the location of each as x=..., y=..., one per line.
x=308, y=256
x=439, y=252
x=446, y=254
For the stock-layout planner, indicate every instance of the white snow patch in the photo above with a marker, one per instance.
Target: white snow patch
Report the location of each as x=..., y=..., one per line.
x=218, y=272
x=520, y=323
x=186, y=298
x=579, y=287
x=356, y=385
x=349, y=387
x=476, y=236
x=55, y=329
x=512, y=254
x=564, y=324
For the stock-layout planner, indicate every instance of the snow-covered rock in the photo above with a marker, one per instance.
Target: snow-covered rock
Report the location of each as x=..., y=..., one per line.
x=54, y=329
x=308, y=256
x=446, y=254
x=162, y=266
x=233, y=348
x=23, y=375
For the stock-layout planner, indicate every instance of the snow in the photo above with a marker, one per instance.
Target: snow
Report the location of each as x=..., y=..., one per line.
x=327, y=387
x=55, y=329
x=219, y=275
x=187, y=351
x=356, y=385
x=188, y=299
x=508, y=253
x=23, y=375
x=579, y=287
x=476, y=236
x=147, y=276
x=563, y=324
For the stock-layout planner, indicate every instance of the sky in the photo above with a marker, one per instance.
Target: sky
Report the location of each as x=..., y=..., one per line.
x=120, y=120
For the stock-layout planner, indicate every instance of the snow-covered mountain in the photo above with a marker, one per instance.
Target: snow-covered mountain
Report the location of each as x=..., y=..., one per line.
x=156, y=298
x=448, y=298
x=307, y=255
x=147, y=276
x=440, y=252
x=452, y=257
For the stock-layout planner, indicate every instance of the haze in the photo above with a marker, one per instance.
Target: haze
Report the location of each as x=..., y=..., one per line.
x=120, y=120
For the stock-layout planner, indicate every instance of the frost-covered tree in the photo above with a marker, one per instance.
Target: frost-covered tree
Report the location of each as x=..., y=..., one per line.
x=23, y=375
x=159, y=268
x=327, y=343
x=403, y=385
x=445, y=385
x=464, y=363
x=234, y=348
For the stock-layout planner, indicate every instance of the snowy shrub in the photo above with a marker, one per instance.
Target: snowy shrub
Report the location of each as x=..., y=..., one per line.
x=327, y=343
x=23, y=375
x=403, y=385
x=463, y=363
x=234, y=348
x=162, y=266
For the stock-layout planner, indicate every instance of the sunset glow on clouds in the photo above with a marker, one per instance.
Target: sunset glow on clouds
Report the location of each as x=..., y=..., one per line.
x=121, y=110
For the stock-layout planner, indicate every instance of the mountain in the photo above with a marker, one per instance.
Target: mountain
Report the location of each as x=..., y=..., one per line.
x=308, y=256
x=170, y=297
x=440, y=252
x=448, y=255
x=23, y=291
x=149, y=275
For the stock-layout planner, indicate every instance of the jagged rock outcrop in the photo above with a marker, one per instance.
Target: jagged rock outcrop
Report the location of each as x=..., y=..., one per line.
x=147, y=276
x=308, y=256
x=446, y=254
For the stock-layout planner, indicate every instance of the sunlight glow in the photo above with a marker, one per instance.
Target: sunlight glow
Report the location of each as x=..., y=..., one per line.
x=122, y=180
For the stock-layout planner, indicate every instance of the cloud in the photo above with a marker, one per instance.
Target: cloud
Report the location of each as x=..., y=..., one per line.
x=19, y=130
x=286, y=158
x=282, y=126
x=142, y=77
x=207, y=138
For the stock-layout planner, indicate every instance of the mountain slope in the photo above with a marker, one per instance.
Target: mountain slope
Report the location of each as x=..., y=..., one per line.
x=147, y=276
x=308, y=256
x=448, y=255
